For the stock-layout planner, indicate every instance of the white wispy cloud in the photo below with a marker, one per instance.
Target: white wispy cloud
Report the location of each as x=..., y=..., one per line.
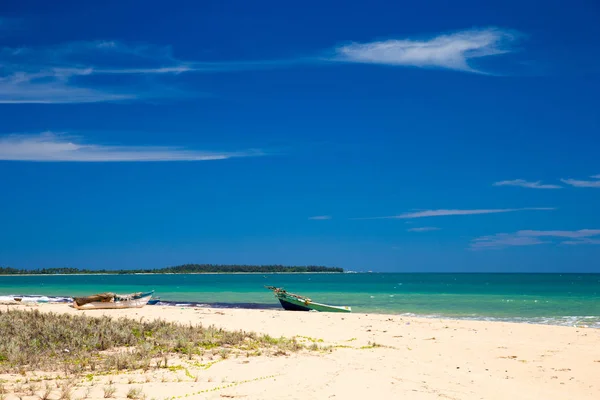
x=584, y=183
x=581, y=241
x=532, y=237
x=23, y=89
x=443, y=213
x=450, y=51
x=50, y=146
x=424, y=229
x=320, y=217
x=527, y=184
x=565, y=234
x=501, y=240
x=62, y=73
x=68, y=73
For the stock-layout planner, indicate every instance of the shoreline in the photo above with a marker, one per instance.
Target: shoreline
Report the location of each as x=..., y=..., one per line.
x=574, y=321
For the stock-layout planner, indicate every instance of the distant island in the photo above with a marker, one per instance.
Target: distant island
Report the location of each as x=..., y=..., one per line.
x=180, y=269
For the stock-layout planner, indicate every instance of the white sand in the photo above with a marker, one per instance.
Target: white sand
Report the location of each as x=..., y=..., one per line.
x=421, y=359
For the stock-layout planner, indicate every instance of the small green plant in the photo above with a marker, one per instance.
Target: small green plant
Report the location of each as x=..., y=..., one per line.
x=224, y=353
x=134, y=393
x=66, y=391
x=109, y=391
x=371, y=346
x=47, y=392
x=32, y=389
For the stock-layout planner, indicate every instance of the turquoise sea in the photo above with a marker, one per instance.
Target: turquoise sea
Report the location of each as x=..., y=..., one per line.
x=562, y=299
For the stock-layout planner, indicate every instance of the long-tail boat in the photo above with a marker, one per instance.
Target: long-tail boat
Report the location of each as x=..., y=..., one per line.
x=295, y=302
x=112, y=300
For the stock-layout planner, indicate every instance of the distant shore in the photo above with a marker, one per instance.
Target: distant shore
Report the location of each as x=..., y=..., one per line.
x=186, y=273
x=178, y=269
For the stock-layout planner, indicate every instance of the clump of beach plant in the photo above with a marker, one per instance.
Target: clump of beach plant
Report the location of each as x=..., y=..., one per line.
x=77, y=344
x=134, y=393
x=109, y=391
x=32, y=389
x=47, y=392
x=65, y=391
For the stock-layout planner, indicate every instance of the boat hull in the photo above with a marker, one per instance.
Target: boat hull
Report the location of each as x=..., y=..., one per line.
x=99, y=305
x=304, y=304
x=292, y=307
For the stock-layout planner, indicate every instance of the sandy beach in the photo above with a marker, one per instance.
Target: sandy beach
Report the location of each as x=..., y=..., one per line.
x=362, y=356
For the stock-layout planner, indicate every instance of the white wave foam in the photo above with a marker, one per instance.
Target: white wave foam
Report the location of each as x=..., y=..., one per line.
x=35, y=298
x=579, y=321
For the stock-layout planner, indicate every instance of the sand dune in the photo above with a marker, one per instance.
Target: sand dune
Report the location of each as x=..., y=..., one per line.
x=371, y=356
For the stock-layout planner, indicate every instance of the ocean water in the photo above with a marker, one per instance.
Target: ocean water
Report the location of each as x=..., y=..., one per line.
x=561, y=299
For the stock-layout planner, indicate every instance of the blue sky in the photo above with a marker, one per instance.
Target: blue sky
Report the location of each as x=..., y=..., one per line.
x=366, y=135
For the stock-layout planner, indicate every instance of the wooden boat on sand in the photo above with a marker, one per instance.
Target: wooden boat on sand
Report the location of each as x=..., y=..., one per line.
x=295, y=302
x=112, y=300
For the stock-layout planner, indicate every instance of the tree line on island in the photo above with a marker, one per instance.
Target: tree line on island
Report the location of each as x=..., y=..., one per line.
x=180, y=269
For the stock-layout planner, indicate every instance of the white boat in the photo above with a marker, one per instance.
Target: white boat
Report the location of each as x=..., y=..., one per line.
x=112, y=301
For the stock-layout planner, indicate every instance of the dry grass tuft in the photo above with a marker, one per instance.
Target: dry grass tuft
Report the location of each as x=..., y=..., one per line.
x=75, y=344
x=135, y=393
x=109, y=391
x=47, y=392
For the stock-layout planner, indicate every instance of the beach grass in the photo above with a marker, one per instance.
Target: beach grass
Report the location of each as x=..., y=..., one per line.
x=77, y=344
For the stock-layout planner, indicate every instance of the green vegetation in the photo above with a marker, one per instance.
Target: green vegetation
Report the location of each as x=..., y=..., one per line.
x=217, y=388
x=134, y=393
x=78, y=344
x=181, y=269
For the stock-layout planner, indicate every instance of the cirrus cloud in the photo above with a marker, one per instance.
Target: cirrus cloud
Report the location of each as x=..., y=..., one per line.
x=62, y=73
x=527, y=184
x=50, y=146
x=450, y=51
x=320, y=218
x=424, y=229
x=444, y=213
x=532, y=237
x=584, y=183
